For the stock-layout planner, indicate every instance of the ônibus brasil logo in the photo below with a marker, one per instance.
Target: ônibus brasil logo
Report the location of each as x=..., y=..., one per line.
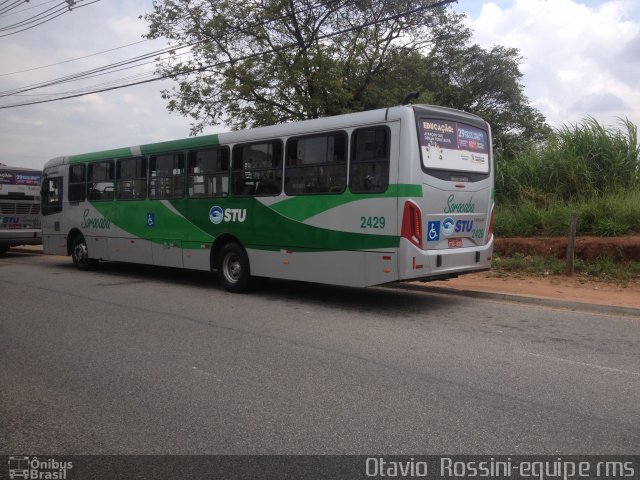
x=217, y=215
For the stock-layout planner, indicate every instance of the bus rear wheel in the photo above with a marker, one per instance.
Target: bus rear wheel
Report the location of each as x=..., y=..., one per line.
x=233, y=269
x=80, y=254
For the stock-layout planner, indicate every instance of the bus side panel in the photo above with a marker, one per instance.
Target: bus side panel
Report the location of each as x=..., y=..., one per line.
x=167, y=253
x=196, y=255
x=347, y=268
x=54, y=244
x=130, y=250
x=98, y=247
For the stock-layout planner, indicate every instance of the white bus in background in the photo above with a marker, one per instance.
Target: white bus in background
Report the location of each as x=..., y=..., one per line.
x=19, y=207
x=401, y=193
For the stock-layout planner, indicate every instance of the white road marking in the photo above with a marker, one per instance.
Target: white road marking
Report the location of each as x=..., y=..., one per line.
x=582, y=364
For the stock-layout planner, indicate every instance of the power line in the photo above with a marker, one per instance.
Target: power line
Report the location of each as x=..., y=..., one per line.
x=92, y=72
x=106, y=68
x=28, y=8
x=238, y=59
x=11, y=6
x=54, y=12
x=74, y=59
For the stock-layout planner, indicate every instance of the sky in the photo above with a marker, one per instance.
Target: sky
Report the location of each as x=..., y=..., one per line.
x=579, y=58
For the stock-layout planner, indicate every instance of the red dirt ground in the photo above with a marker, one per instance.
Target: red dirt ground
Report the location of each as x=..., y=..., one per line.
x=576, y=288
x=587, y=248
x=573, y=289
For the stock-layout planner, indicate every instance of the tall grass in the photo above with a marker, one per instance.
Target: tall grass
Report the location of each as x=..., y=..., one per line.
x=585, y=168
x=577, y=162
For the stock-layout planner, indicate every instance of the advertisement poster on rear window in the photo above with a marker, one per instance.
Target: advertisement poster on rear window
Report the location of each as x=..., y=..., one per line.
x=8, y=177
x=448, y=145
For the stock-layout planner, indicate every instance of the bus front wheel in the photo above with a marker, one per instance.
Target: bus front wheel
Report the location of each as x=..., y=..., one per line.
x=233, y=269
x=80, y=254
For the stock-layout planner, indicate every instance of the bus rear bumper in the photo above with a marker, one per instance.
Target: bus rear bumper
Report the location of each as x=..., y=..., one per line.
x=13, y=238
x=427, y=265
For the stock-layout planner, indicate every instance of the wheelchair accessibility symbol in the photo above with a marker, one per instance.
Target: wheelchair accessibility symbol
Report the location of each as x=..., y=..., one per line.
x=433, y=231
x=151, y=219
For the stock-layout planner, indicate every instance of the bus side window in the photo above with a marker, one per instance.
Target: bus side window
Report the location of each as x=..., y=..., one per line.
x=166, y=176
x=100, y=181
x=209, y=173
x=76, y=191
x=316, y=164
x=370, y=152
x=257, y=169
x=131, y=178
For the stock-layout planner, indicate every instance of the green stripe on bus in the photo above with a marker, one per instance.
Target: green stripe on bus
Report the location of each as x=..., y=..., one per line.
x=183, y=144
x=104, y=155
x=132, y=217
x=304, y=206
x=150, y=149
x=263, y=228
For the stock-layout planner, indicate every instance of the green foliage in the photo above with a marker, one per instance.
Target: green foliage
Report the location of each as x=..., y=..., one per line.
x=262, y=63
x=603, y=268
x=576, y=163
x=258, y=63
x=586, y=168
x=609, y=215
x=487, y=83
x=528, y=264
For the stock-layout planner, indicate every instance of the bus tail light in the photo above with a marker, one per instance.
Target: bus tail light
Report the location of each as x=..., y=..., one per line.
x=490, y=230
x=412, y=224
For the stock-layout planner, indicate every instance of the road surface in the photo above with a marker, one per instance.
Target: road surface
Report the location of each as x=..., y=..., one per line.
x=142, y=360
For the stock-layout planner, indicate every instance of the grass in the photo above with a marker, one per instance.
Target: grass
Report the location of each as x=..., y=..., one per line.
x=586, y=168
x=608, y=216
x=602, y=269
x=576, y=163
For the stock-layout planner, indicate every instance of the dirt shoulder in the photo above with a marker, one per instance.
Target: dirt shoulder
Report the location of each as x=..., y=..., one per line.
x=578, y=288
x=571, y=289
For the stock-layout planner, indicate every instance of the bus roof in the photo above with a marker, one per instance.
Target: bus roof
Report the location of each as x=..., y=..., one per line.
x=348, y=120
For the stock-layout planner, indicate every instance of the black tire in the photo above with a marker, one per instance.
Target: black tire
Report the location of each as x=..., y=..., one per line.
x=232, y=266
x=3, y=249
x=80, y=254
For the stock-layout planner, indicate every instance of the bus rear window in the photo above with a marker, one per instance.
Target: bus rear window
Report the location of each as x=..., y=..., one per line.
x=450, y=145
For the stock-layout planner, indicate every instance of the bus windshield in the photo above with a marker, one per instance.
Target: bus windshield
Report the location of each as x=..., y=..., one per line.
x=451, y=145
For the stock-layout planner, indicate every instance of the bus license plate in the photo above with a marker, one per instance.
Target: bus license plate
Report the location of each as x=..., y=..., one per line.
x=455, y=242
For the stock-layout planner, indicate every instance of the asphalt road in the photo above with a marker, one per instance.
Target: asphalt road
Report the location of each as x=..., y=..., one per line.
x=141, y=360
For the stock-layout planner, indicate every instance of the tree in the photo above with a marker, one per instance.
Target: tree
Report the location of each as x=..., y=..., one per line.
x=269, y=61
x=487, y=83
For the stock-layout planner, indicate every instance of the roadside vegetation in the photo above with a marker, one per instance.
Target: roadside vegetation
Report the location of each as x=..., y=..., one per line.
x=601, y=269
x=588, y=169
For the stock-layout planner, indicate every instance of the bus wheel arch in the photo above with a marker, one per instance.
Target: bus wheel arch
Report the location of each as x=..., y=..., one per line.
x=78, y=250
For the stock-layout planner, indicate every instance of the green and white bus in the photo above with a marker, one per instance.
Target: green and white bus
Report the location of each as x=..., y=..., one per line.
x=402, y=193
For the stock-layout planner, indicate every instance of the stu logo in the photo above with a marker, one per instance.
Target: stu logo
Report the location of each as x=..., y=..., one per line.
x=217, y=215
x=463, y=226
x=235, y=215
